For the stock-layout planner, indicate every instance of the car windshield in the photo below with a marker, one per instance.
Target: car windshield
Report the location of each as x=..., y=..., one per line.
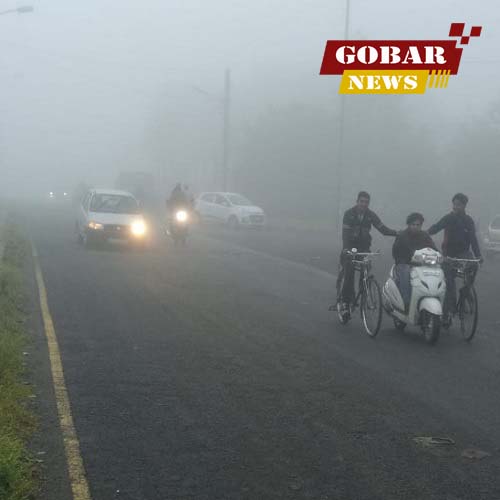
x=115, y=204
x=237, y=199
x=496, y=223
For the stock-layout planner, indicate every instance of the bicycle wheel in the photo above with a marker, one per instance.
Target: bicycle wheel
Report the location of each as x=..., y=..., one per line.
x=371, y=307
x=343, y=317
x=468, y=312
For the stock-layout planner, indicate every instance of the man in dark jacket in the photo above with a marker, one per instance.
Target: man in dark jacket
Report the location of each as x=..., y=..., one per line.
x=407, y=242
x=356, y=227
x=459, y=239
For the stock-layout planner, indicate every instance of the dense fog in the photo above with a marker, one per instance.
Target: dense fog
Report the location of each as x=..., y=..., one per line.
x=95, y=88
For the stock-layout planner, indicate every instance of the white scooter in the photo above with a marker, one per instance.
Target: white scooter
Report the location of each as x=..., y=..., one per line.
x=428, y=288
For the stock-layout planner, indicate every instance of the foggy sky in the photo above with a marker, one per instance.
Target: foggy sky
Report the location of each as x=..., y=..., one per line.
x=91, y=88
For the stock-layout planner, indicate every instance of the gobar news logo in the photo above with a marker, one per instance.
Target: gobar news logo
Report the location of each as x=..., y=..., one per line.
x=395, y=66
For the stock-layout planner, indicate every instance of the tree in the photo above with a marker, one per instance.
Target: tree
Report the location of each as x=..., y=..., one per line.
x=290, y=160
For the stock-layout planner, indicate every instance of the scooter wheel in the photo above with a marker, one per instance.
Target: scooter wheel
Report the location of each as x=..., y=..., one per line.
x=431, y=326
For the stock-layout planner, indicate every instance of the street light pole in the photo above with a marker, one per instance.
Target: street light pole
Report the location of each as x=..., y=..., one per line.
x=225, y=151
x=340, y=152
x=225, y=103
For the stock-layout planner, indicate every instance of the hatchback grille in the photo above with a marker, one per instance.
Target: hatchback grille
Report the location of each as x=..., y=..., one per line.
x=256, y=219
x=116, y=230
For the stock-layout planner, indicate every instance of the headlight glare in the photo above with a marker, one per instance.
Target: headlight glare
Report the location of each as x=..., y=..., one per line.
x=181, y=216
x=138, y=228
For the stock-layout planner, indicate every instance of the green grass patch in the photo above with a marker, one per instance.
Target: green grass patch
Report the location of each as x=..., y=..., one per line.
x=16, y=421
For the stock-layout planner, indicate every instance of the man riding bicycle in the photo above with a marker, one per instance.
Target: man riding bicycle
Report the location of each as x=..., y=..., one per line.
x=459, y=239
x=356, y=227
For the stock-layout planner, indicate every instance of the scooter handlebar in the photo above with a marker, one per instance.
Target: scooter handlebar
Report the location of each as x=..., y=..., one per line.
x=362, y=254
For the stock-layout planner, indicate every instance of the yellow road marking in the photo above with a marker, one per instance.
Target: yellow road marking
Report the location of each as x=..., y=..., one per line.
x=76, y=470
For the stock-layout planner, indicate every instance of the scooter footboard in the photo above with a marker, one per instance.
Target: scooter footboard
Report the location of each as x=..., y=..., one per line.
x=432, y=305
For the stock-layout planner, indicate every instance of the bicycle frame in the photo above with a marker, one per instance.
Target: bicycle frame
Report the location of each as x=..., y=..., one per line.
x=466, y=270
x=363, y=266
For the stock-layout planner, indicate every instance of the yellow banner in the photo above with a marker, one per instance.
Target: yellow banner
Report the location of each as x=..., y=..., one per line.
x=372, y=81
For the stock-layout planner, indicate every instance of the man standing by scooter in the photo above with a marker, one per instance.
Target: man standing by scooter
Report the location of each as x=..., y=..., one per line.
x=356, y=227
x=459, y=242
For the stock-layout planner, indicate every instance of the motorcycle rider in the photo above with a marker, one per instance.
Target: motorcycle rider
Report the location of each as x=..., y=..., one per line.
x=459, y=239
x=177, y=200
x=356, y=227
x=405, y=245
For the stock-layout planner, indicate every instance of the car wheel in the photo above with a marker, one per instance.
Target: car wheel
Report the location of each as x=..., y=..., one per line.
x=233, y=223
x=89, y=241
x=79, y=238
x=197, y=218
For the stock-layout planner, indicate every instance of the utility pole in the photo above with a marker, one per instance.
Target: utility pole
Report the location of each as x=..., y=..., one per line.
x=340, y=152
x=226, y=125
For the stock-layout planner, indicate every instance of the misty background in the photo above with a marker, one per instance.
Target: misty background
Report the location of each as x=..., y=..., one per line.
x=91, y=89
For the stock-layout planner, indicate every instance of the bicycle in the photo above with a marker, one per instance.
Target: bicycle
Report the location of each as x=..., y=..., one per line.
x=368, y=297
x=467, y=305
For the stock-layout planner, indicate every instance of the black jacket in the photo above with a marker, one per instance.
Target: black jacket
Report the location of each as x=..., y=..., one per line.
x=406, y=243
x=356, y=229
x=459, y=235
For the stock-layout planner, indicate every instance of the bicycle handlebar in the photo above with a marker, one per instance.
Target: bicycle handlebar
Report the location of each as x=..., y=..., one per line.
x=453, y=259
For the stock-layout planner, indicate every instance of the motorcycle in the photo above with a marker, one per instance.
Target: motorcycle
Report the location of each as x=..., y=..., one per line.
x=428, y=289
x=178, y=227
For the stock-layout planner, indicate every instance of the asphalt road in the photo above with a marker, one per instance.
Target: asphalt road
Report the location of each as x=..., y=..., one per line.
x=216, y=372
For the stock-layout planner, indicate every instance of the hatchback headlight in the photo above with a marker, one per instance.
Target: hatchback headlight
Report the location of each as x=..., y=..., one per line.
x=96, y=226
x=138, y=228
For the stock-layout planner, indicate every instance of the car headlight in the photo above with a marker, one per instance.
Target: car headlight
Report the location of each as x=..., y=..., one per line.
x=96, y=226
x=138, y=228
x=181, y=216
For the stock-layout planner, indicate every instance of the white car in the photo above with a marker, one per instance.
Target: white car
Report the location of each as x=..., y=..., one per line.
x=232, y=209
x=109, y=214
x=492, y=238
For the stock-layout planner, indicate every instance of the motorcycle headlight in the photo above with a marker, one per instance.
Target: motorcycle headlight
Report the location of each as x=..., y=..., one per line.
x=95, y=226
x=138, y=228
x=181, y=216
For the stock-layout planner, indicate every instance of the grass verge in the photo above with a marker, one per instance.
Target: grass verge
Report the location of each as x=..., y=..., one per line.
x=16, y=421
